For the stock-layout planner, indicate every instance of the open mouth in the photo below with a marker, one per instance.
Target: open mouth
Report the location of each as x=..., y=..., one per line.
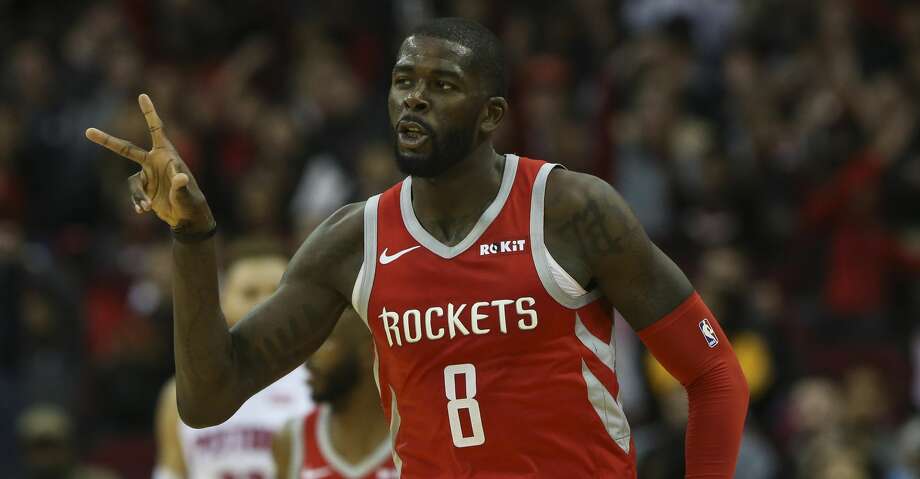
x=411, y=134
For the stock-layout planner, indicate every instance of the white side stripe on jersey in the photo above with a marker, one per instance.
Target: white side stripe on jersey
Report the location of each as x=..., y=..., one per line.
x=607, y=408
x=605, y=353
x=394, y=429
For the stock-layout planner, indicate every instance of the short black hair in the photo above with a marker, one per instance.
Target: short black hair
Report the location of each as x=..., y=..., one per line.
x=488, y=57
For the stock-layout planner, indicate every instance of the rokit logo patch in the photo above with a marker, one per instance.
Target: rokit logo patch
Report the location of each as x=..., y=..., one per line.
x=501, y=247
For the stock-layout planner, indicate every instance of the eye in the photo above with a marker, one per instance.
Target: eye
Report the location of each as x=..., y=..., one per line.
x=445, y=86
x=402, y=82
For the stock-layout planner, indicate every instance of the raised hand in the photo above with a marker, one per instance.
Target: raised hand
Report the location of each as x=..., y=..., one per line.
x=164, y=184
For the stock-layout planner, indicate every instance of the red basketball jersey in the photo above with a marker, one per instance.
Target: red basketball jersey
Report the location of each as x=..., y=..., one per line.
x=315, y=458
x=492, y=362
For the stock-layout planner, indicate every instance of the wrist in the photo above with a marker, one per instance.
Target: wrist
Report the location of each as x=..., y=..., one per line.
x=185, y=233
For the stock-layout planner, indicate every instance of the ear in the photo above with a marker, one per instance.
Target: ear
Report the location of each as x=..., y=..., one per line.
x=492, y=114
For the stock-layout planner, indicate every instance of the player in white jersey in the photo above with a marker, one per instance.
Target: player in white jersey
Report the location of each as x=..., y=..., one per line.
x=347, y=435
x=240, y=448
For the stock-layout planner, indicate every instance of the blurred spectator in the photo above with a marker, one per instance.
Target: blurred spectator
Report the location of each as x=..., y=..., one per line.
x=866, y=416
x=46, y=440
x=660, y=446
x=908, y=451
x=814, y=411
x=829, y=458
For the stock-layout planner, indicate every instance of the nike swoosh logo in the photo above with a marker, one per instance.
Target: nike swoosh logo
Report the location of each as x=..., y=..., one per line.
x=385, y=259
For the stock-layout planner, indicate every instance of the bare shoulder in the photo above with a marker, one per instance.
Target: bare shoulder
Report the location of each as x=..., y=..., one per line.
x=570, y=194
x=348, y=219
x=586, y=219
x=594, y=232
x=345, y=227
x=333, y=252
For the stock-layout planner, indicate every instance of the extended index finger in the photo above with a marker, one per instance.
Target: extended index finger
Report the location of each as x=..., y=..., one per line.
x=153, y=121
x=117, y=145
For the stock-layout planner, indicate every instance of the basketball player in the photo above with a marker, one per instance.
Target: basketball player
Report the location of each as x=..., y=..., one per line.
x=240, y=448
x=488, y=282
x=345, y=437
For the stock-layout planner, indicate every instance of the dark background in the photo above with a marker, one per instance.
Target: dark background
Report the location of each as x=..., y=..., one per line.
x=770, y=147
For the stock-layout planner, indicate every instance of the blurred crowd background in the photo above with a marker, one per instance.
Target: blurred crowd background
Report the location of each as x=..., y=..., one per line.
x=771, y=147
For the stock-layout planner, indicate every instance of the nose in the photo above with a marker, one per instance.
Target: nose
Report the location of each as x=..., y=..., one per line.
x=415, y=102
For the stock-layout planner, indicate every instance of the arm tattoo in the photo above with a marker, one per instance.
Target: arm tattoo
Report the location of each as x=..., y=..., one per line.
x=590, y=228
x=275, y=352
x=192, y=349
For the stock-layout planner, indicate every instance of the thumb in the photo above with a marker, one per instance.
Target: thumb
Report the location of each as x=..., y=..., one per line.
x=178, y=190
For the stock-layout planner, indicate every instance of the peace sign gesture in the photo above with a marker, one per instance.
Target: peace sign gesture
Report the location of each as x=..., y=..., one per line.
x=164, y=184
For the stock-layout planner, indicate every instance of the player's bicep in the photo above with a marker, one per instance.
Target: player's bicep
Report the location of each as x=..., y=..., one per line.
x=279, y=334
x=640, y=280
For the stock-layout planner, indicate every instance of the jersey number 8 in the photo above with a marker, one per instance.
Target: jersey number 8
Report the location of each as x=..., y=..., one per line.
x=455, y=405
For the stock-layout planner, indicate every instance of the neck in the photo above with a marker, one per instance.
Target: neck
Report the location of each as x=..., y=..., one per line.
x=448, y=205
x=357, y=425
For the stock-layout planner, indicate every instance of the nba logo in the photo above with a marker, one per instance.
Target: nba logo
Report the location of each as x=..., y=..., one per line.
x=710, y=334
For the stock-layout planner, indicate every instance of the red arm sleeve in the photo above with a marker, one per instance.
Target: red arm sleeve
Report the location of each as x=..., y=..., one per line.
x=691, y=345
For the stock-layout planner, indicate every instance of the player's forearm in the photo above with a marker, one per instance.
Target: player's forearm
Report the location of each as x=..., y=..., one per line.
x=718, y=406
x=690, y=344
x=202, y=342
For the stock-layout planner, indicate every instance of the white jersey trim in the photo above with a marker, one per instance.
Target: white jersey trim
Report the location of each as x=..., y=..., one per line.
x=562, y=277
x=356, y=290
x=394, y=430
x=418, y=232
x=549, y=276
x=351, y=471
x=607, y=408
x=376, y=367
x=606, y=353
x=364, y=282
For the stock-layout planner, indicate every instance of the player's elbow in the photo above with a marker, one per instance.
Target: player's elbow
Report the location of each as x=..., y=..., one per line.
x=723, y=383
x=201, y=411
x=729, y=376
x=738, y=383
x=199, y=417
x=195, y=421
x=745, y=390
